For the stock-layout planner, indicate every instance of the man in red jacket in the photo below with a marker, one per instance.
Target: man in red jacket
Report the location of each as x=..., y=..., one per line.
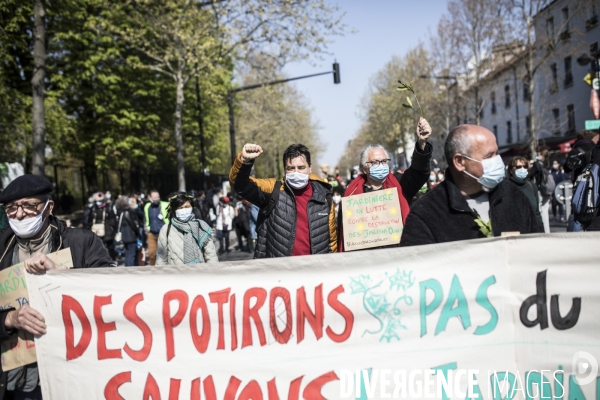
x=375, y=168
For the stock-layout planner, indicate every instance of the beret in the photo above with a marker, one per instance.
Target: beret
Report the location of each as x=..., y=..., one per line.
x=25, y=186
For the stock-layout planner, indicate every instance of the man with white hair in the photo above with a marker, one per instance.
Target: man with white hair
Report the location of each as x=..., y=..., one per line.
x=375, y=172
x=474, y=201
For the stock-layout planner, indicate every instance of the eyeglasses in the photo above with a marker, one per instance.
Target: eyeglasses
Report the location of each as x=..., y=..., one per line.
x=372, y=163
x=520, y=166
x=28, y=208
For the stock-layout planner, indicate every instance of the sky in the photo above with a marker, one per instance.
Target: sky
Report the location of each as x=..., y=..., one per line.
x=383, y=28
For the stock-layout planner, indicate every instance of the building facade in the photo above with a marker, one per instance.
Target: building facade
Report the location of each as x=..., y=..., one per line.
x=561, y=100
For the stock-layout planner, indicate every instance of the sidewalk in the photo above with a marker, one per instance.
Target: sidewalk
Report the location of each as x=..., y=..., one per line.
x=233, y=255
x=557, y=226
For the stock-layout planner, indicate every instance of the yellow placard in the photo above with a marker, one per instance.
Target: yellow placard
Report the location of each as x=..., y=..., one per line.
x=371, y=220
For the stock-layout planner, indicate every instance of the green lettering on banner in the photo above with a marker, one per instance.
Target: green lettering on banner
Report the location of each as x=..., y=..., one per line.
x=575, y=392
x=505, y=377
x=461, y=311
x=444, y=369
x=544, y=390
x=483, y=300
x=426, y=309
x=361, y=391
x=476, y=393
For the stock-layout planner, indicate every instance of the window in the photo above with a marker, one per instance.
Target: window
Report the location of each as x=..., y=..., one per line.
x=528, y=124
x=564, y=35
x=554, y=72
x=568, y=72
x=550, y=28
x=592, y=21
x=493, y=98
x=570, y=118
x=496, y=131
x=507, y=96
x=556, y=115
x=508, y=132
x=526, y=96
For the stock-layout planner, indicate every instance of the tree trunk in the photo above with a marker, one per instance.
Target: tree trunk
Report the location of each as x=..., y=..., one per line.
x=532, y=129
x=91, y=173
x=178, y=133
x=37, y=84
x=477, y=109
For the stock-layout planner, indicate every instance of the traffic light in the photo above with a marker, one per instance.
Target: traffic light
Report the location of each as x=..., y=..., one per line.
x=336, y=73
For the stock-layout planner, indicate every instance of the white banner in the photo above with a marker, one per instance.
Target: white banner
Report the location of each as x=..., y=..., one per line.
x=367, y=324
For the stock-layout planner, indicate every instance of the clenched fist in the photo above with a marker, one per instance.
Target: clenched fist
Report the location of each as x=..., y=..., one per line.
x=39, y=264
x=423, y=132
x=251, y=152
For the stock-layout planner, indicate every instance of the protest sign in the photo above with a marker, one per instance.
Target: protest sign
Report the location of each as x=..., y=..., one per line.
x=302, y=327
x=19, y=350
x=371, y=220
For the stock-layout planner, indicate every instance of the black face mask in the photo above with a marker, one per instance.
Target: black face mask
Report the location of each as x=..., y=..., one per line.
x=155, y=202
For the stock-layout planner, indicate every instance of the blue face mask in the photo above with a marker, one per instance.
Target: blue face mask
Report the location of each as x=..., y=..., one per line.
x=521, y=173
x=493, y=172
x=379, y=172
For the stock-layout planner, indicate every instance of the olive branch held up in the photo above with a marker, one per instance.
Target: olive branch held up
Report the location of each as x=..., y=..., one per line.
x=404, y=87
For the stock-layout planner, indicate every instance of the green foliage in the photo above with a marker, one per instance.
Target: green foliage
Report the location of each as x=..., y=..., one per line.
x=113, y=69
x=390, y=122
x=405, y=86
x=484, y=228
x=275, y=117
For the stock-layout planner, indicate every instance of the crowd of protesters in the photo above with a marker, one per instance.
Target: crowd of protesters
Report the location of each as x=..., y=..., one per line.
x=477, y=196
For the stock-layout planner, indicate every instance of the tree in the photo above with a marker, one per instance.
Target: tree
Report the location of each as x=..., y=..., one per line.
x=385, y=120
x=180, y=38
x=275, y=117
x=472, y=28
x=38, y=87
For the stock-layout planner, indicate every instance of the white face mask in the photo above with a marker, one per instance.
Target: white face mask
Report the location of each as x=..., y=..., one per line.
x=337, y=198
x=297, y=180
x=493, y=172
x=184, y=214
x=28, y=227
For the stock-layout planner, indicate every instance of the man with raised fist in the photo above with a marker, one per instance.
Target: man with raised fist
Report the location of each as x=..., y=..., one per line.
x=296, y=216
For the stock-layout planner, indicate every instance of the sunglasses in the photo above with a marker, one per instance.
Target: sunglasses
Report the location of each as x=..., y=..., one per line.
x=181, y=195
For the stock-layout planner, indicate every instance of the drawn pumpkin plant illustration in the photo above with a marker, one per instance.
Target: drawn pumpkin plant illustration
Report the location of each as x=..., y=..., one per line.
x=406, y=87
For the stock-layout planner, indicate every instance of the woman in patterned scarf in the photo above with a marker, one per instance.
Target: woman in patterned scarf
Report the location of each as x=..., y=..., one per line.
x=186, y=239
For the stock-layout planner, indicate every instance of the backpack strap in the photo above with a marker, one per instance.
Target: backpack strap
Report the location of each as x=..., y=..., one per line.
x=273, y=200
x=167, y=244
x=533, y=191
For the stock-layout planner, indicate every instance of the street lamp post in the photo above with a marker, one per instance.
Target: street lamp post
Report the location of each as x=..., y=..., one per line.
x=231, y=97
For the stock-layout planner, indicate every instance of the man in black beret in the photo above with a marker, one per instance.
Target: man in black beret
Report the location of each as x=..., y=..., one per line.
x=34, y=232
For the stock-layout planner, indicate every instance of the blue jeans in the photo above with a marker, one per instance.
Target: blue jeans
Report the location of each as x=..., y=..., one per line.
x=35, y=394
x=130, y=254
